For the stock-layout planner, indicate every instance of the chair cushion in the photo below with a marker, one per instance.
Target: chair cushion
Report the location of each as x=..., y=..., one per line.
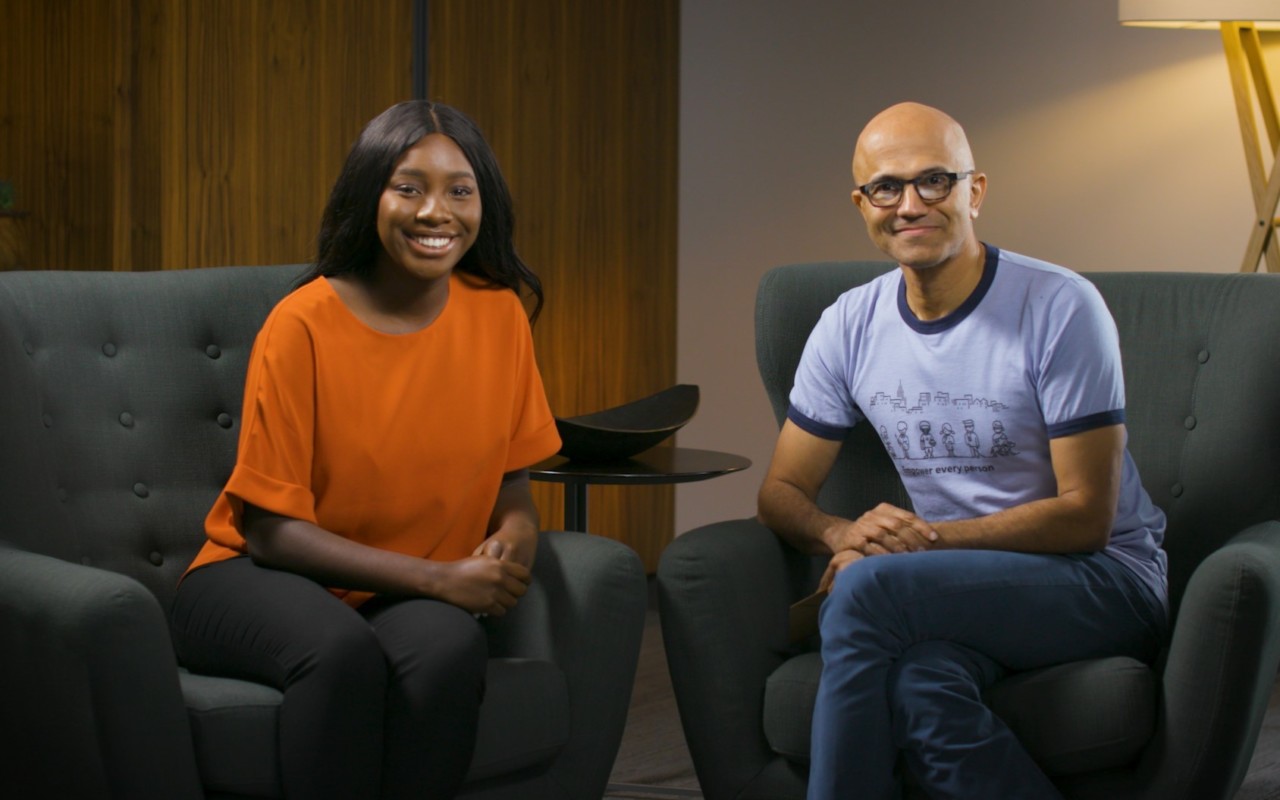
x=524, y=722
x=1072, y=718
x=234, y=729
x=1082, y=716
x=524, y=719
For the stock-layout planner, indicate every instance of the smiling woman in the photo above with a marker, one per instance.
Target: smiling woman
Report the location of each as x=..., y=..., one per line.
x=429, y=216
x=380, y=501
x=432, y=206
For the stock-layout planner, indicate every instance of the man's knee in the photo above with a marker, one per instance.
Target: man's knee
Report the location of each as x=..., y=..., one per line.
x=933, y=680
x=868, y=588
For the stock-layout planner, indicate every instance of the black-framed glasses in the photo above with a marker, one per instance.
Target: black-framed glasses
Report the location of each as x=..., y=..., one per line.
x=931, y=187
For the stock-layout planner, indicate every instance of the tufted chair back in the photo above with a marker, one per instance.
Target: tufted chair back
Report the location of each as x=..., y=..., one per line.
x=1196, y=354
x=1201, y=384
x=119, y=424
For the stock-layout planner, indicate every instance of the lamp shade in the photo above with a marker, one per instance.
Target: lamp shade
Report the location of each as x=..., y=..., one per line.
x=1198, y=13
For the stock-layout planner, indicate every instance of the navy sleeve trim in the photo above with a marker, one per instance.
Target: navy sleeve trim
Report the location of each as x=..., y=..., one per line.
x=819, y=429
x=1099, y=420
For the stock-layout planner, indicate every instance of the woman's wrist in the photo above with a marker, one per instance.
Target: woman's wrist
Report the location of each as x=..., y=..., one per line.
x=432, y=578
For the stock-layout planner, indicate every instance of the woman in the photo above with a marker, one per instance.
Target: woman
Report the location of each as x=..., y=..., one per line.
x=380, y=500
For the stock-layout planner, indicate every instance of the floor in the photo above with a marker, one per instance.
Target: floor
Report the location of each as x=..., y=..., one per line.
x=653, y=751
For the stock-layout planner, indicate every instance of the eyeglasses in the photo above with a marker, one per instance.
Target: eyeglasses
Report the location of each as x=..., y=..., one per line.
x=932, y=187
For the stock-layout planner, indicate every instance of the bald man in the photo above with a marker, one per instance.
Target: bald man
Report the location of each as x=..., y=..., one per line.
x=1036, y=545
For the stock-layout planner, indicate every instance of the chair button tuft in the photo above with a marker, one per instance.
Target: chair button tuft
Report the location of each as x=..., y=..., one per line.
x=224, y=419
x=141, y=490
x=1202, y=356
x=156, y=558
x=1189, y=423
x=126, y=419
x=1176, y=490
x=109, y=349
x=213, y=351
x=47, y=420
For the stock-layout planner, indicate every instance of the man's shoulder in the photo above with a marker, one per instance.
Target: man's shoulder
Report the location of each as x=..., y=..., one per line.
x=865, y=298
x=1035, y=269
x=1043, y=281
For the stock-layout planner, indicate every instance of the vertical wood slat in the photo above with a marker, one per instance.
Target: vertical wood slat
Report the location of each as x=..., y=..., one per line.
x=16, y=156
x=56, y=130
x=579, y=100
x=122, y=117
x=148, y=134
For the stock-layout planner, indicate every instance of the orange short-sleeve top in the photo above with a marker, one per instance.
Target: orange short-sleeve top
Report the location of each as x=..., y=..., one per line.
x=396, y=441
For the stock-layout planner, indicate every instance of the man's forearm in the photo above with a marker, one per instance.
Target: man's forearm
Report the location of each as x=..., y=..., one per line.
x=1052, y=525
x=788, y=512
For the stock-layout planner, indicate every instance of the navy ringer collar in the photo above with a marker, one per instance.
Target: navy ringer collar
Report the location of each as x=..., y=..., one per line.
x=966, y=308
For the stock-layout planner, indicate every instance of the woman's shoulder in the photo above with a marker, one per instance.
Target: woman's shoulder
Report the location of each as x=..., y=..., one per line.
x=310, y=307
x=307, y=299
x=483, y=295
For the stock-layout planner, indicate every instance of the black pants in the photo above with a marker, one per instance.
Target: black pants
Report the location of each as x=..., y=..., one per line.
x=379, y=701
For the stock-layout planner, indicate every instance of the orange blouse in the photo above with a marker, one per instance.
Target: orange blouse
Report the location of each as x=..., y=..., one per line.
x=395, y=441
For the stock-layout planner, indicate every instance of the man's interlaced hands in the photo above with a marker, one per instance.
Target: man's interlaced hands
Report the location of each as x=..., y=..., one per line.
x=884, y=530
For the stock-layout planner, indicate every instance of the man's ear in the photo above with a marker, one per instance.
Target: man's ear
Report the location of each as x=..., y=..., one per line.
x=977, y=193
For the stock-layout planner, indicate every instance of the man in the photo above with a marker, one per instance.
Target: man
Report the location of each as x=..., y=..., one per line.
x=1038, y=554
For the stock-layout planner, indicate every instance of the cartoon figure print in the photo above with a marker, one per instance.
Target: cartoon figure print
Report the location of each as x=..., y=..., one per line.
x=888, y=445
x=944, y=434
x=1001, y=445
x=949, y=439
x=971, y=439
x=927, y=441
x=904, y=440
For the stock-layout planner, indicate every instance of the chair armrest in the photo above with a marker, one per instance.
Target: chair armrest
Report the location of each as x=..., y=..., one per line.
x=724, y=591
x=90, y=688
x=585, y=612
x=1220, y=672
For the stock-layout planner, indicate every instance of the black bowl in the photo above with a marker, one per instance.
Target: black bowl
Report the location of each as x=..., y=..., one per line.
x=622, y=431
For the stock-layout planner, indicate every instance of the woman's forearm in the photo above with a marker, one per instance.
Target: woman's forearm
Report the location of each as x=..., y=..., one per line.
x=306, y=549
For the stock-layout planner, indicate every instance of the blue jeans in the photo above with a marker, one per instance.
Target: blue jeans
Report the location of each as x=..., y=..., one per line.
x=910, y=641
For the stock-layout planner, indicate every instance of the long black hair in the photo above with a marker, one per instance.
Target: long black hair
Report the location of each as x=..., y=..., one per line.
x=349, y=243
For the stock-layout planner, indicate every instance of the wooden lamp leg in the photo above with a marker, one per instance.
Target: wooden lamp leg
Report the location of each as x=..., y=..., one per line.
x=1248, y=71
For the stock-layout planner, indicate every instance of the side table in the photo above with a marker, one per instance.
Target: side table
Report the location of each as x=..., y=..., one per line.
x=658, y=465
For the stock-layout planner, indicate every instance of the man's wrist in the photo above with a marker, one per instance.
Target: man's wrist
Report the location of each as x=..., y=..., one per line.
x=833, y=536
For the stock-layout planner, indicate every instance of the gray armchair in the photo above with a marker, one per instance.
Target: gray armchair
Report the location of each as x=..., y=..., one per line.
x=1203, y=385
x=119, y=415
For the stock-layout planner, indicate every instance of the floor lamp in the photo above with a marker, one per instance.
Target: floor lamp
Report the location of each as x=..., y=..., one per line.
x=1239, y=21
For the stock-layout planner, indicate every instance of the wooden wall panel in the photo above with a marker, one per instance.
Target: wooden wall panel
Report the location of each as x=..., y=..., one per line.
x=580, y=102
x=275, y=93
x=56, y=107
x=152, y=134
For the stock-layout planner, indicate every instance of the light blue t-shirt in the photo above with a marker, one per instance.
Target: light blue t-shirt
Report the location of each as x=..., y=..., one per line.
x=966, y=405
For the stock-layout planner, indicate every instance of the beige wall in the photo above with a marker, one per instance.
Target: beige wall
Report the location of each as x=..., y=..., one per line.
x=1106, y=148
